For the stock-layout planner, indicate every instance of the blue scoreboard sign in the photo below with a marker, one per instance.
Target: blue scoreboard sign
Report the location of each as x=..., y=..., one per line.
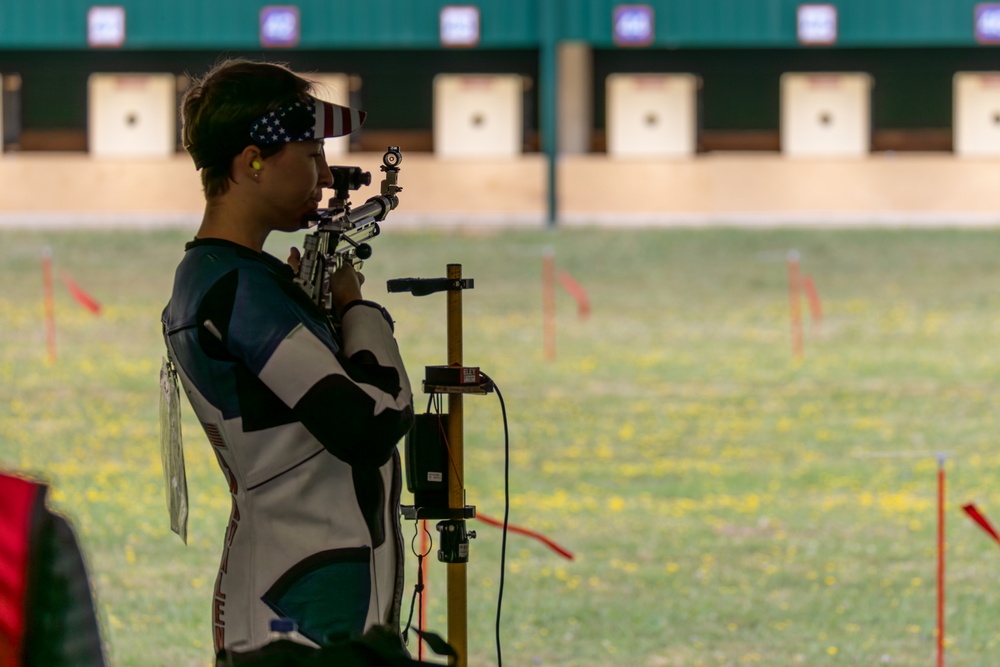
x=279, y=26
x=988, y=22
x=633, y=25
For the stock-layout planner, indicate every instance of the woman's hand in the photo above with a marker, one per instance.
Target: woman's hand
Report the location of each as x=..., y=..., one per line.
x=345, y=287
x=345, y=283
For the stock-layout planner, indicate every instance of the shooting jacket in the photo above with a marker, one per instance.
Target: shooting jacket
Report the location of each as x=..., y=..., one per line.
x=304, y=423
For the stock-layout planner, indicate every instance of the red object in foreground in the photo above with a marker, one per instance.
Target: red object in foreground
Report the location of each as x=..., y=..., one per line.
x=971, y=510
x=81, y=297
x=17, y=521
x=529, y=533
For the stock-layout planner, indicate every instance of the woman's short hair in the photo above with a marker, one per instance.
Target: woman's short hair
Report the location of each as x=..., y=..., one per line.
x=218, y=110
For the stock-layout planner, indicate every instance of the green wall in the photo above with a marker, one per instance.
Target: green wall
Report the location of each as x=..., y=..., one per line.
x=772, y=23
x=234, y=24
x=413, y=24
x=739, y=47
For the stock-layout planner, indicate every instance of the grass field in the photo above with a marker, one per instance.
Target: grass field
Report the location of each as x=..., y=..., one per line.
x=726, y=504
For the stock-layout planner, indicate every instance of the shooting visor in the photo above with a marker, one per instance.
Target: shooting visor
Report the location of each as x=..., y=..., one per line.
x=299, y=121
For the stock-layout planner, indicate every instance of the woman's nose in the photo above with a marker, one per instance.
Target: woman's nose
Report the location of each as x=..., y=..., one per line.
x=325, y=173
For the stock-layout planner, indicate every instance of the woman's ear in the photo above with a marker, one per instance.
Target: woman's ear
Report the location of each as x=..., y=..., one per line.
x=251, y=163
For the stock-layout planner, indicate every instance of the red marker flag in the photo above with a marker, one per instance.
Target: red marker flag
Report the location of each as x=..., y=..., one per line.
x=565, y=553
x=812, y=296
x=971, y=510
x=81, y=297
x=577, y=292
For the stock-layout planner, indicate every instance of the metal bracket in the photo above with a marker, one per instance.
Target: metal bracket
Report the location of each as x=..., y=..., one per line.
x=411, y=513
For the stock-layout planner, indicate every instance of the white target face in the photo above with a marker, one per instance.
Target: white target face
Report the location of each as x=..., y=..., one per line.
x=132, y=115
x=478, y=115
x=976, y=114
x=826, y=114
x=652, y=115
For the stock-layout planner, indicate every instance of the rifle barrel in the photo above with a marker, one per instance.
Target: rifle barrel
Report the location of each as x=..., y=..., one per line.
x=376, y=207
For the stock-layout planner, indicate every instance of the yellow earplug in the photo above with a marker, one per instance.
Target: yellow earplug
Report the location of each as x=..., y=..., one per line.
x=255, y=164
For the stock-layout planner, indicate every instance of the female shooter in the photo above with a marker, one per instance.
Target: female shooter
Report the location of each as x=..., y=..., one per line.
x=303, y=418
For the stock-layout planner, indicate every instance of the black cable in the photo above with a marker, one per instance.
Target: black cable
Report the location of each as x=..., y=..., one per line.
x=435, y=400
x=418, y=589
x=506, y=510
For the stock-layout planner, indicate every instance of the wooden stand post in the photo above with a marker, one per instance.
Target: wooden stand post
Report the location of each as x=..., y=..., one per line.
x=454, y=381
x=457, y=574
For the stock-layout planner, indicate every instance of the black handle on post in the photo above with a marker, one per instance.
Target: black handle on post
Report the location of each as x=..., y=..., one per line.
x=425, y=286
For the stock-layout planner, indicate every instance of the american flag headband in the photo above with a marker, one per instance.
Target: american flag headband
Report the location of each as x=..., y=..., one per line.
x=305, y=121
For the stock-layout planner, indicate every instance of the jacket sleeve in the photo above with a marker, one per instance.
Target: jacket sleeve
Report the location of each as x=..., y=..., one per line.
x=356, y=401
